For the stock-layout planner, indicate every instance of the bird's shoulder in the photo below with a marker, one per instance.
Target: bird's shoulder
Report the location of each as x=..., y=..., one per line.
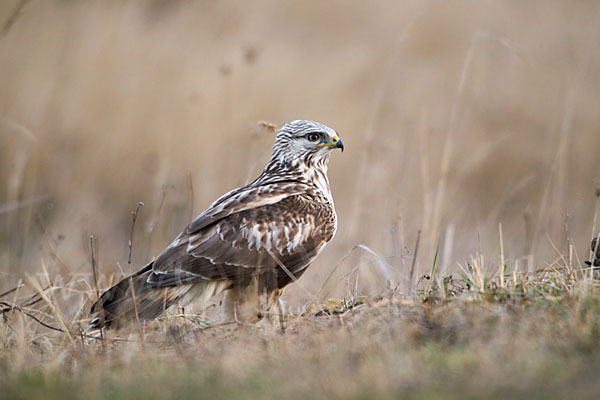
x=245, y=198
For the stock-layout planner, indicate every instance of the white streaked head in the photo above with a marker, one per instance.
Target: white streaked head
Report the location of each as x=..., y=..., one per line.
x=307, y=140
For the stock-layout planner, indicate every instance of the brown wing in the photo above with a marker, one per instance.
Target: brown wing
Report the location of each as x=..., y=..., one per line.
x=294, y=229
x=246, y=198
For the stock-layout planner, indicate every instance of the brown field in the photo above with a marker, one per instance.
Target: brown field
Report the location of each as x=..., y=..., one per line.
x=475, y=123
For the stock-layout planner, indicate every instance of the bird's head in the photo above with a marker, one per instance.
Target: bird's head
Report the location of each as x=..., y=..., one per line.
x=305, y=140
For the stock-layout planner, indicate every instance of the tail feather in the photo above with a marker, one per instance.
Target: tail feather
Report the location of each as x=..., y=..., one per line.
x=120, y=302
x=149, y=298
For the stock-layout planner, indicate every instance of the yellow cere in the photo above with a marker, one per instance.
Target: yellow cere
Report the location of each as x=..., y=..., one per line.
x=335, y=140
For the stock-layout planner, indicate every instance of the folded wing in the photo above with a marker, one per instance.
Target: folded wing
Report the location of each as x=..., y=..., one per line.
x=248, y=233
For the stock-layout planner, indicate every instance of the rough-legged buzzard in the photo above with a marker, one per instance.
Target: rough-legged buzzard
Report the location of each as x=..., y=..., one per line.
x=261, y=236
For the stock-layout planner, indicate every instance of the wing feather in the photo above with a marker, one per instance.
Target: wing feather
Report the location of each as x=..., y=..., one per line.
x=247, y=198
x=234, y=242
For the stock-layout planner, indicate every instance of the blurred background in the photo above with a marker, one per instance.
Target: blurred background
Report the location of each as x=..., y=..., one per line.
x=457, y=116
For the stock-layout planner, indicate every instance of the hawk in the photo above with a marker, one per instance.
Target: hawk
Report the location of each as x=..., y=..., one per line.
x=257, y=238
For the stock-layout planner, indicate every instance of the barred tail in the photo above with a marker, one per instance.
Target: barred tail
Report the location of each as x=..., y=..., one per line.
x=117, y=305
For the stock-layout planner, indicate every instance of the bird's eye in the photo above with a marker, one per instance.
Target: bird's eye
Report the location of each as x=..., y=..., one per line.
x=313, y=137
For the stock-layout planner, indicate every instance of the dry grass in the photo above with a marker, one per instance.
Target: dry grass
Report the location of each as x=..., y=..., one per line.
x=471, y=125
x=534, y=336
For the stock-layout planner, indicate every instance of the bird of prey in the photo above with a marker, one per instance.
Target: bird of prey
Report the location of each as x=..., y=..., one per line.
x=257, y=238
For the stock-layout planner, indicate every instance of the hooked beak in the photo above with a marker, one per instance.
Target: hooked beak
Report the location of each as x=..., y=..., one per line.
x=336, y=144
